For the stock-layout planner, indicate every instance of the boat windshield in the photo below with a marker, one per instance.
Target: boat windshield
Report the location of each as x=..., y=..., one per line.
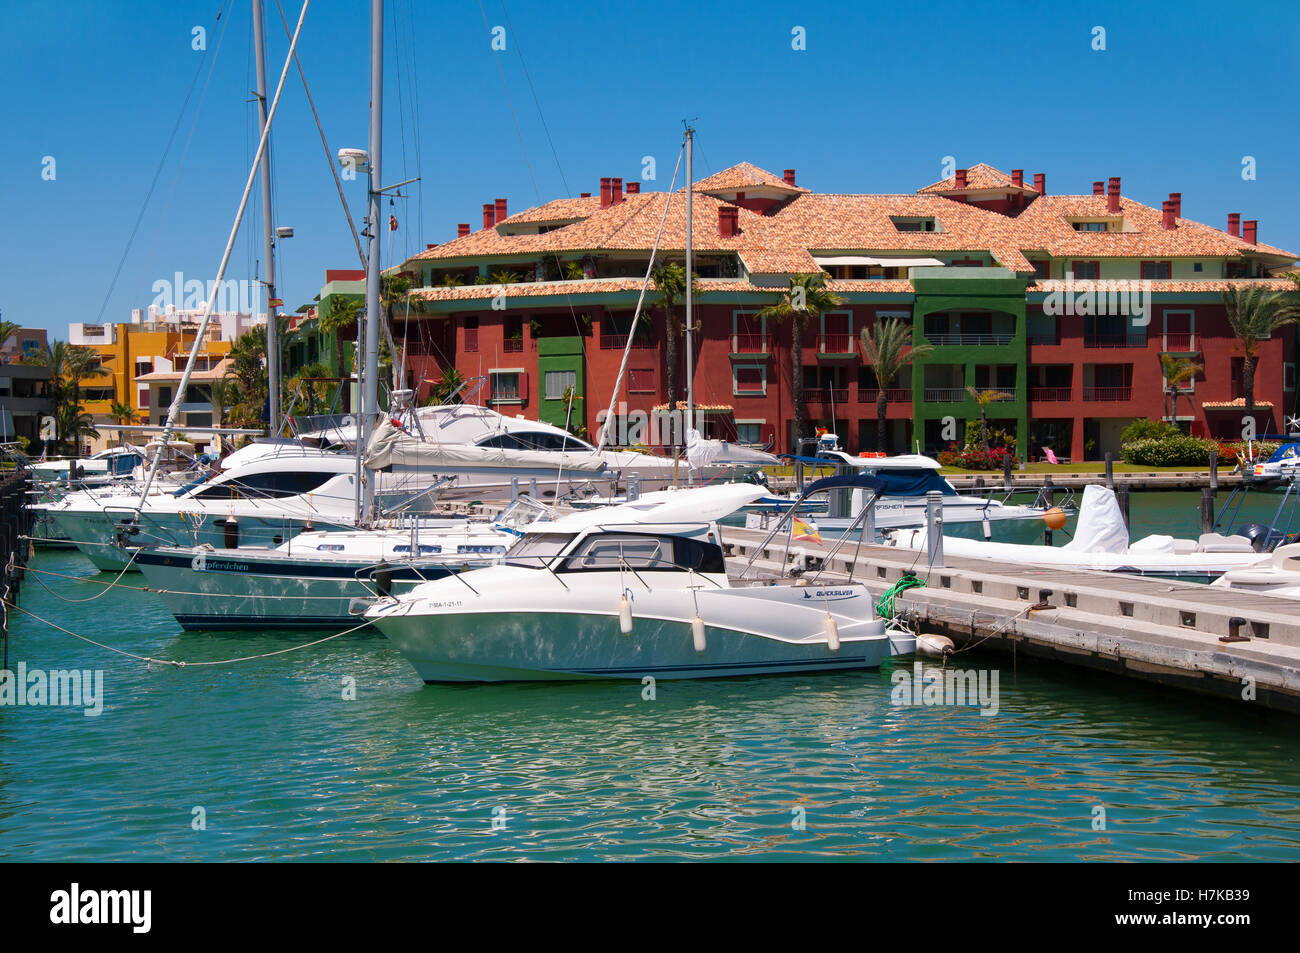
x=536, y=549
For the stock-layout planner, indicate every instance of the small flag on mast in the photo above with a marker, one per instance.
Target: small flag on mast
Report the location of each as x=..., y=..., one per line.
x=392, y=223
x=806, y=530
x=276, y=302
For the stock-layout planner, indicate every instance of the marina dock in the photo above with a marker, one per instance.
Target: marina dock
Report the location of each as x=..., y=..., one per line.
x=1232, y=645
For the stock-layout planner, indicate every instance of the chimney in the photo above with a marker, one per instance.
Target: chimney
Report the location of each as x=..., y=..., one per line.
x=1177, y=199
x=604, y=193
x=462, y=229
x=633, y=188
x=1018, y=178
x=584, y=195
x=616, y=196
x=1040, y=183
x=1167, y=214
x=728, y=221
x=1234, y=224
x=789, y=176
x=1112, y=195
x=1249, y=230
x=959, y=181
x=502, y=215
x=430, y=245
x=489, y=215
x=1099, y=188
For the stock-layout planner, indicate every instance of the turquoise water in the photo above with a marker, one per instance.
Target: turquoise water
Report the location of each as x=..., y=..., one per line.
x=285, y=768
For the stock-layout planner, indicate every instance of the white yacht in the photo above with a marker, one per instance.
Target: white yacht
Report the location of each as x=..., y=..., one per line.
x=611, y=600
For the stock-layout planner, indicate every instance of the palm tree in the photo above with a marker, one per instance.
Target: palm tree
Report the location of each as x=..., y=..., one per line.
x=1177, y=370
x=808, y=298
x=1254, y=314
x=247, y=377
x=7, y=330
x=670, y=281
x=451, y=379
x=342, y=313
x=314, y=390
x=68, y=365
x=886, y=349
x=983, y=398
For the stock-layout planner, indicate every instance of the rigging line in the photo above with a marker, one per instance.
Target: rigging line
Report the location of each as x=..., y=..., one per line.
x=162, y=160
x=329, y=158
x=519, y=51
x=401, y=123
x=177, y=663
x=414, y=60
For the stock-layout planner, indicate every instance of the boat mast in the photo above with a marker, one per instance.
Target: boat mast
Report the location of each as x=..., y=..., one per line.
x=370, y=382
x=690, y=228
x=268, y=232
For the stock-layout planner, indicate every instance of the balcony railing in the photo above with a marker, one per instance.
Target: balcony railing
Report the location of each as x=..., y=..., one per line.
x=945, y=395
x=1049, y=393
x=1180, y=342
x=835, y=344
x=514, y=345
x=969, y=340
x=826, y=395
x=1107, y=393
x=894, y=395
x=616, y=342
x=1114, y=340
x=749, y=344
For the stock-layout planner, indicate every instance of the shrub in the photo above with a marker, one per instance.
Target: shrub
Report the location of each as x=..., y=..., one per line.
x=997, y=436
x=1147, y=430
x=1177, y=450
x=973, y=458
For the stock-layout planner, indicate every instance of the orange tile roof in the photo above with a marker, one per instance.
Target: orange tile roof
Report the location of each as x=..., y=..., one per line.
x=744, y=175
x=1232, y=404
x=817, y=223
x=1166, y=285
x=979, y=177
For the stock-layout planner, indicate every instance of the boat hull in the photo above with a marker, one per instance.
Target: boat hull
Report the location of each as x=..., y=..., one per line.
x=452, y=639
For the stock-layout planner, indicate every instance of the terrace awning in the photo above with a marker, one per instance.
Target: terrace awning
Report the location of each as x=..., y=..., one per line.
x=883, y=262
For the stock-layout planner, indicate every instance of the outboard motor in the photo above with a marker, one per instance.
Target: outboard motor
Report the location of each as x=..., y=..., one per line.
x=1262, y=538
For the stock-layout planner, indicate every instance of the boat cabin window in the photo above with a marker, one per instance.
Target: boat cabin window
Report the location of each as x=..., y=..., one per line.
x=260, y=486
x=534, y=440
x=535, y=549
x=644, y=552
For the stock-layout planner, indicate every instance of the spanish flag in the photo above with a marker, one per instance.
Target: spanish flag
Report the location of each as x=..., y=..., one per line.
x=392, y=223
x=276, y=303
x=806, y=531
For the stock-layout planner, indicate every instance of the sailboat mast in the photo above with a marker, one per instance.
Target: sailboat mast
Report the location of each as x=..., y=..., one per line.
x=690, y=229
x=370, y=382
x=268, y=232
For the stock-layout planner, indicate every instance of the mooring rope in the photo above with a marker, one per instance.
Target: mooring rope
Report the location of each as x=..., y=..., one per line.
x=111, y=585
x=177, y=663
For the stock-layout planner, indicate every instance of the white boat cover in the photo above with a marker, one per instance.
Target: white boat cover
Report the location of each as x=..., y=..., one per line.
x=702, y=452
x=1101, y=526
x=389, y=446
x=701, y=504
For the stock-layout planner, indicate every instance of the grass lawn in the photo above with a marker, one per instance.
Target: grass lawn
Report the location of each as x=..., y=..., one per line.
x=1093, y=467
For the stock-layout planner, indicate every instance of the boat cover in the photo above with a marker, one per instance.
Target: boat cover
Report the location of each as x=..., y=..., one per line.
x=1101, y=526
x=389, y=445
x=702, y=452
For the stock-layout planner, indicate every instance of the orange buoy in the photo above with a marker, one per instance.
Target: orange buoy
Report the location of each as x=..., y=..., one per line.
x=1054, y=518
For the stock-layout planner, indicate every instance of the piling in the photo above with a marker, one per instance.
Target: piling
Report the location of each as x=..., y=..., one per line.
x=1214, y=470
x=1049, y=500
x=1110, y=470
x=934, y=528
x=1207, y=510
x=17, y=525
x=1006, y=471
x=1121, y=497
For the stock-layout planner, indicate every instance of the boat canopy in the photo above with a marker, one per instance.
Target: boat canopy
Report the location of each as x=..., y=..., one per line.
x=1289, y=452
x=857, y=481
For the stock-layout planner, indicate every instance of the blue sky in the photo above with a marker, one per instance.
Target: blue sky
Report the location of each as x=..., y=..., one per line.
x=879, y=96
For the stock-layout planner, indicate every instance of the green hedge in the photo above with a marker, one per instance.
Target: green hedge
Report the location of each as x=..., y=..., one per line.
x=1170, y=451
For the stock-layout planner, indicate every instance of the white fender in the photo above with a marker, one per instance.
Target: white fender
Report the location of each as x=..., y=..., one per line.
x=832, y=633
x=697, y=633
x=624, y=616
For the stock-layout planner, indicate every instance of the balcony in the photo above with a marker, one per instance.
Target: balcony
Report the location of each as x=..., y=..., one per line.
x=750, y=344
x=1047, y=394
x=1115, y=340
x=836, y=345
x=945, y=395
x=1183, y=343
x=617, y=342
x=969, y=340
x=1107, y=393
x=894, y=395
x=514, y=346
x=826, y=395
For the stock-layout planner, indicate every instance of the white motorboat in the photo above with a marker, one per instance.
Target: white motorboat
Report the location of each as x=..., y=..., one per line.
x=311, y=580
x=611, y=600
x=907, y=479
x=1277, y=575
x=1101, y=542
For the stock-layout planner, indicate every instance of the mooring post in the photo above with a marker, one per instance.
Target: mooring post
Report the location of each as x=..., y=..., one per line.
x=1121, y=496
x=934, y=528
x=1207, y=510
x=1006, y=471
x=1110, y=470
x=1214, y=470
x=514, y=488
x=1049, y=499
